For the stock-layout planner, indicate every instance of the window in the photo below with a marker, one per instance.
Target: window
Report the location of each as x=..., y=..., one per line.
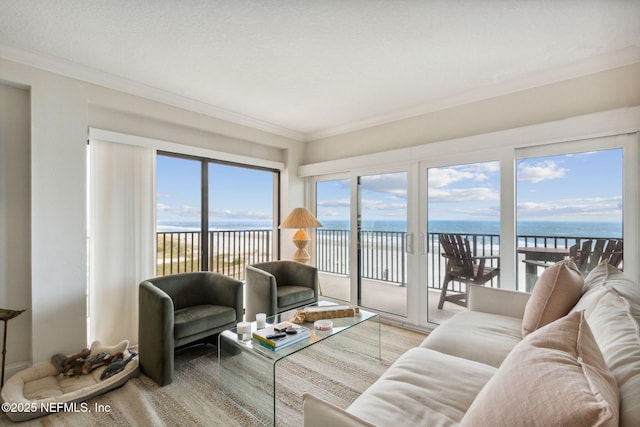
x=462, y=200
x=232, y=205
x=509, y=193
x=563, y=202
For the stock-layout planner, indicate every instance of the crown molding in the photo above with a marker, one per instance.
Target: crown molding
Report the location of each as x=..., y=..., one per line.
x=94, y=76
x=616, y=59
x=603, y=124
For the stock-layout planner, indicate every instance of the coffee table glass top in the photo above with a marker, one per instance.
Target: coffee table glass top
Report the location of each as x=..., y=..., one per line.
x=339, y=325
x=247, y=369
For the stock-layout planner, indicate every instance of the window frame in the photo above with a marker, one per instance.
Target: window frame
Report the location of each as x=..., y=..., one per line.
x=204, y=199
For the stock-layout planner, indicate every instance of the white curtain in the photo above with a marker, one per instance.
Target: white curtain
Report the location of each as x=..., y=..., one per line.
x=121, y=235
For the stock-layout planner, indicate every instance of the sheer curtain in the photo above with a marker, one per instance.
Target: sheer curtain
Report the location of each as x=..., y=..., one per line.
x=122, y=237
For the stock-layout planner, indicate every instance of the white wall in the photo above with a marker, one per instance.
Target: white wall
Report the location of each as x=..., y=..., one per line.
x=607, y=90
x=62, y=111
x=15, y=220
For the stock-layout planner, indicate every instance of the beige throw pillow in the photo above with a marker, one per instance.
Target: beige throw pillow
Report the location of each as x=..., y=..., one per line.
x=618, y=335
x=556, y=291
x=555, y=376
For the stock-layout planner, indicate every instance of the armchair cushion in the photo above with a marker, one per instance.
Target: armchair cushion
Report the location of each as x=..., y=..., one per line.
x=290, y=295
x=194, y=320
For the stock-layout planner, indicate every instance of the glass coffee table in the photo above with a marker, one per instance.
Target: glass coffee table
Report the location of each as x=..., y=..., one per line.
x=247, y=369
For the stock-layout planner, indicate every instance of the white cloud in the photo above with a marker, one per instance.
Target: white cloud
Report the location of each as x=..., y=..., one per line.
x=325, y=212
x=573, y=209
x=393, y=183
x=485, y=213
x=463, y=195
x=380, y=205
x=229, y=214
x=475, y=172
x=334, y=203
x=161, y=207
x=540, y=171
x=442, y=177
x=185, y=211
x=188, y=211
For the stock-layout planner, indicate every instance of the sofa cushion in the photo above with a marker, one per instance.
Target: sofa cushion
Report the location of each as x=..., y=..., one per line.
x=422, y=388
x=481, y=337
x=617, y=333
x=556, y=291
x=199, y=318
x=319, y=413
x=555, y=376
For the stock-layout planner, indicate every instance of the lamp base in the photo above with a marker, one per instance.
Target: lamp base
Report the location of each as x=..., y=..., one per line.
x=301, y=256
x=301, y=240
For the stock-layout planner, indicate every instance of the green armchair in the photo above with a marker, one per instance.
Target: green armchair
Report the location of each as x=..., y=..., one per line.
x=183, y=309
x=277, y=286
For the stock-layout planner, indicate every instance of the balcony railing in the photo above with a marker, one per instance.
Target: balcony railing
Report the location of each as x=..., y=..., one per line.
x=230, y=251
x=383, y=253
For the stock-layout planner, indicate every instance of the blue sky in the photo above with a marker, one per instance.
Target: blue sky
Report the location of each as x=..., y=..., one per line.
x=236, y=194
x=384, y=197
x=577, y=187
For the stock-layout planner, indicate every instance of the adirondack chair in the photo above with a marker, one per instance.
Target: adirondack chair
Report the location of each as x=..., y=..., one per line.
x=586, y=255
x=592, y=253
x=464, y=267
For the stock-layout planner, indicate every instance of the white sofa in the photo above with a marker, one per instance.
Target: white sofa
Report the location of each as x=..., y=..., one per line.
x=476, y=369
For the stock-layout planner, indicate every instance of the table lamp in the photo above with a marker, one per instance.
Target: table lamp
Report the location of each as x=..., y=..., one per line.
x=301, y=218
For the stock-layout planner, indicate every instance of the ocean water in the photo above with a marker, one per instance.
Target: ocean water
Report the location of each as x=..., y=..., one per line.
x=169, y=226
x=525, y=228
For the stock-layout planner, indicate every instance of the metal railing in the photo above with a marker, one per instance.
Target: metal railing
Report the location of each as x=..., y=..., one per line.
x=383, y=256
x=383, y=253
x=230, y=251
x=332, y=251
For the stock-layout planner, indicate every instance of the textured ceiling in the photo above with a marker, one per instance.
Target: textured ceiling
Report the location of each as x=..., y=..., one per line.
x=313, y=68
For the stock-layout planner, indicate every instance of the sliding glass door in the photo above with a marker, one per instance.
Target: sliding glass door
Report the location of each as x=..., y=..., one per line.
x=362, y=247
x=382, y=242
x=333, y=250
x=512, y=204
x=463, y=203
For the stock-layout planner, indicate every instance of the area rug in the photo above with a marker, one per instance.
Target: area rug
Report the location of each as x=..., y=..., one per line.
x=194, y=399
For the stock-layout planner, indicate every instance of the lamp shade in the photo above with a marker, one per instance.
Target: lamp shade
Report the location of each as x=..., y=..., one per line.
x=300, y=218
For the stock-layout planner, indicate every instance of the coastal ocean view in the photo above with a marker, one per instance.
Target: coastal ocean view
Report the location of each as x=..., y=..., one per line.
x=561, y=202
x=235, y=244
x=598, y=229
x=528, y=228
